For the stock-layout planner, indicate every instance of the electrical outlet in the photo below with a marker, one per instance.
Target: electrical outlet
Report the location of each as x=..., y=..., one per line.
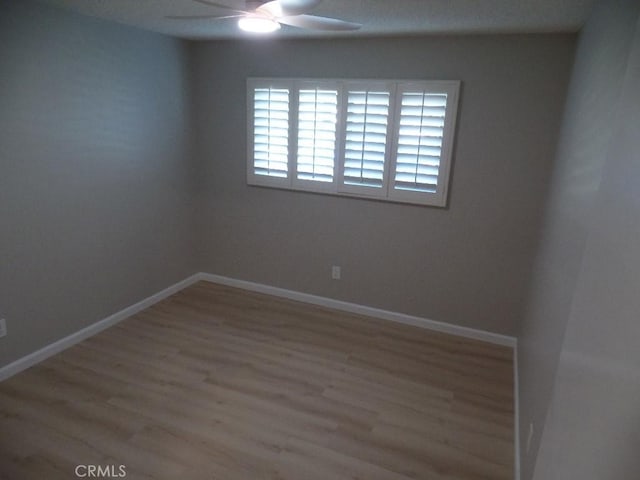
x=335, y=272
x=529, y=436
x=3, y=327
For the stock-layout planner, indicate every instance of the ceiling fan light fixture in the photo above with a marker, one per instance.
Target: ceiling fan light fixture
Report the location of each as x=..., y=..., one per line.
x=258, y=24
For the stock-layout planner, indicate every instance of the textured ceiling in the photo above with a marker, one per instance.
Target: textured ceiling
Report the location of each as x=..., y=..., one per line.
x=379, y=17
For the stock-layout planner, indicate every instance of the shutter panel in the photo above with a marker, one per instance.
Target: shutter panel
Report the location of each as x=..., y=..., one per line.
x=317, y=117
x=419, y=150
x=271, y=131
x=366, y=137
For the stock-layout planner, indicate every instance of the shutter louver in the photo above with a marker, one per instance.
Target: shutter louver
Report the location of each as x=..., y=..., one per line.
x=366, y=138
x=419, y=151
x=317, y=117
x=271, y=132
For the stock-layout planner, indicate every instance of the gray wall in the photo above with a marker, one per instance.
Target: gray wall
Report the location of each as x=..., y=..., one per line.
x=586, y=272
x=593, y=427
x=95, y=175
x=468, y=264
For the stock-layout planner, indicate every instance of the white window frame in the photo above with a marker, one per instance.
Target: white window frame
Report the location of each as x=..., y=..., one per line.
x=337, y=187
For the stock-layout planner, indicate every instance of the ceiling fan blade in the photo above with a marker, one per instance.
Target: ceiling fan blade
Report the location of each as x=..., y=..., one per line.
x=219, y=5
x=199, y=17
x=319, y=23
x=286, y=8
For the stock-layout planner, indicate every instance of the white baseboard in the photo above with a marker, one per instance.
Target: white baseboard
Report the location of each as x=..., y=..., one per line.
x=516, y=414
x=443, y=327
x=66, y=342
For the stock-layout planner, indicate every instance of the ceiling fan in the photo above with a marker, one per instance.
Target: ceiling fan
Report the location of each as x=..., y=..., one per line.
x=267, y=16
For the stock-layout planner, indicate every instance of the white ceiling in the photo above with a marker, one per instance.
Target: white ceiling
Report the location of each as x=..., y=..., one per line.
x=379, y=17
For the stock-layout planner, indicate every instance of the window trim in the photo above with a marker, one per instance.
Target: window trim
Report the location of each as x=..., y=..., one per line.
x=337, y=187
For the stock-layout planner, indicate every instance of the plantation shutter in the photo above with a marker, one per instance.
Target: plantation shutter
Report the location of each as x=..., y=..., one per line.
x=384, y=139
x=271, y=131
x=366, y=137
x=317, y=117
x=420, y=137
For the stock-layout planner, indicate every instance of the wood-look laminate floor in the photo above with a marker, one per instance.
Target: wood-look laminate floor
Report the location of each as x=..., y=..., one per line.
x=220, y=383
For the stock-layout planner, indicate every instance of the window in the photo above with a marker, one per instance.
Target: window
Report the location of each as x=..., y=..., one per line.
x=390, y=140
